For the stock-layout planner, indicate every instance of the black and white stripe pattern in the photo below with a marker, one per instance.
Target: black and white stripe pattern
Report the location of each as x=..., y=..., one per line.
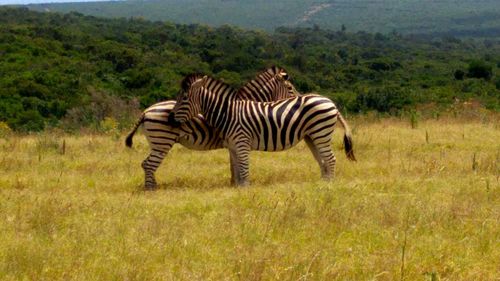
x=267, y=126
x=197, y=134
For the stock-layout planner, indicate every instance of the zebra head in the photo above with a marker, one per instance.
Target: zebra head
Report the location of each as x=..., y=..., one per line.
x=187, y=105
x=272, y=84
x=282, y=77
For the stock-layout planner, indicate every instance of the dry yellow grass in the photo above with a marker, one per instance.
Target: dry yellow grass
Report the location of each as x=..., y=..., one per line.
x=409, y=209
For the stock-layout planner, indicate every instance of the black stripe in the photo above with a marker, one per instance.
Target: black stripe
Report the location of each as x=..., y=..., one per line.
x=264, y=125
x=319, y=112
x=252, y=121
x=288, y=118
x=200, y=130
x=158, y=130
x=321, y=128
x=282, y=108
x=274, y=128
x=163, y=122
x=163, y=138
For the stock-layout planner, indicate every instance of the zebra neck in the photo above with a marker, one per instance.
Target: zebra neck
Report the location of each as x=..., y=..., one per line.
x=256, y=90
x=216, y=108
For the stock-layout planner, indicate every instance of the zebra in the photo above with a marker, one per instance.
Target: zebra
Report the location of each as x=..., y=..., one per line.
x=266, y=126
x=270, y=84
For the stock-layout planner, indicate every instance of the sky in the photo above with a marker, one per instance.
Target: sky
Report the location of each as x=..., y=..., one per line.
x=13, y=2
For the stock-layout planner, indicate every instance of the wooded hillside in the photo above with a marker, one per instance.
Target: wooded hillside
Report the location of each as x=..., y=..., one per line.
x=470, y=18
x=83, y=69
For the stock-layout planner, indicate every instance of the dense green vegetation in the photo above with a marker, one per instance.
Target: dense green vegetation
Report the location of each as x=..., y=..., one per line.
x=75, y=70
x=459, y=18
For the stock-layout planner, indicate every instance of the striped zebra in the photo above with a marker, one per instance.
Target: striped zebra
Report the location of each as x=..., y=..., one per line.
x=267, y=126
x=269, y=85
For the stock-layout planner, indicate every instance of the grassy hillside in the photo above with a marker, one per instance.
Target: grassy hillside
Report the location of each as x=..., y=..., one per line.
x=408, y=209
x=72, y=71
x=464, y=17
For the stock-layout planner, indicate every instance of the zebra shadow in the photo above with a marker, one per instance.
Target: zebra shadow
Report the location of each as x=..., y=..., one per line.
x=189, y=183
x=270, y=179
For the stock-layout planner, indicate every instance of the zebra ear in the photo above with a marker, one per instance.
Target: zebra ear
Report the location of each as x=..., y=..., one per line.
x=284, y=75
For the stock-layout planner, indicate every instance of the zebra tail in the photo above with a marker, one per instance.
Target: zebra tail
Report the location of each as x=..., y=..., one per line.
x=348, y=144
x=128, y=140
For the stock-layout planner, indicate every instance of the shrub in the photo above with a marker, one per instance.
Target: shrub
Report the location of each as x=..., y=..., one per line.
x=108, y=125
x=5, y=130
x=383, y=99
x=230, y=77
x=383, y=65
x=135, y=79
x=100, y=106
x=480, y=69
x=29, y=121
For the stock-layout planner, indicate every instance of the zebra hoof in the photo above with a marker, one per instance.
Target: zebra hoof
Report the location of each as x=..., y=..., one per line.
x=327, y=178
x=150, y=187
x=244, y=184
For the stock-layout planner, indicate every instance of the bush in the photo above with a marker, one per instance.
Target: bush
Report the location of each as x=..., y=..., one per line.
x=5, y=130
x=230, y=77
x=383, y=99
x=29, y=121
x=108, y=125
x=480, y=69
x=135, y=79
x=100, y=106
x=383, y=65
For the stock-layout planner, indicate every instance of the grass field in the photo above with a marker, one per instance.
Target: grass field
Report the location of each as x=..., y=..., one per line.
x=420, y=204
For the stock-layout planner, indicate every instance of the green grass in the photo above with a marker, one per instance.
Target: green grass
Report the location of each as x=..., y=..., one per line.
x=409, y=209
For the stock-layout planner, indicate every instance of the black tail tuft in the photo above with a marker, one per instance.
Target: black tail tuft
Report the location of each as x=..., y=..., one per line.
x=128, y=140
x=348, y=147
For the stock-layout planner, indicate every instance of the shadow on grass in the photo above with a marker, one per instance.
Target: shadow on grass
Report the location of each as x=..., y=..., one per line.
x=214, y=183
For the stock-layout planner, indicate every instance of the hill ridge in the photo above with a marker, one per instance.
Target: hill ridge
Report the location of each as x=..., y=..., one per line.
x=383, y=16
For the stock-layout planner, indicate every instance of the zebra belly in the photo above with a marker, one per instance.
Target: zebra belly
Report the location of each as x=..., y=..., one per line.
x=260, y=144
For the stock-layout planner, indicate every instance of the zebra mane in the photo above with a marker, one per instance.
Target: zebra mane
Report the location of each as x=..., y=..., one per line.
x=271, y=72
x=189, y=80
x=210, y=84
x=221, y=86
x=257, y=88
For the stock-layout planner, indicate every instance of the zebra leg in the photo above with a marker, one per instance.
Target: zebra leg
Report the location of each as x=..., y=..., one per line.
x=151, y=164
x=241, y=153
x=315, y=153
x=322, y=150
x=232, y=166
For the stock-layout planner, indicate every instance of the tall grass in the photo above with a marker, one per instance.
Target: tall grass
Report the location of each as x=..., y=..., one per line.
x=412, y=208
